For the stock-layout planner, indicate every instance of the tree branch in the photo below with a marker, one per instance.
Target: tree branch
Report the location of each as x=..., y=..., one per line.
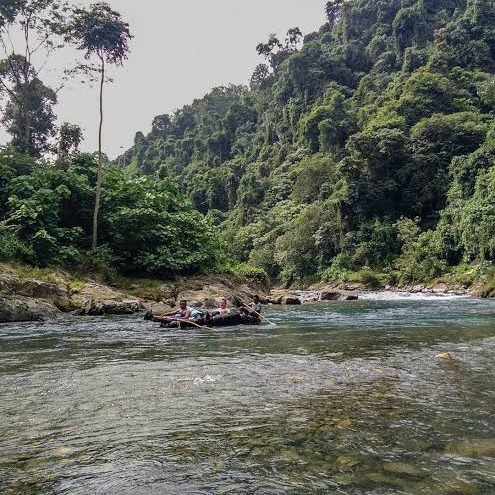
x=9, y=91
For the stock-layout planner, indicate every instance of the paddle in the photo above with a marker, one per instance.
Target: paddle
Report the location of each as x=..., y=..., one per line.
x=202, y=327
x=164, y=319
x=257, y=314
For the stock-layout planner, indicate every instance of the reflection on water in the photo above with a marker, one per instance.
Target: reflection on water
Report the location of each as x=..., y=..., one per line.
x=345, y=398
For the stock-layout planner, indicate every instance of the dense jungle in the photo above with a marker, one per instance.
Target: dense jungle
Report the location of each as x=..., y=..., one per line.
x=361, y=152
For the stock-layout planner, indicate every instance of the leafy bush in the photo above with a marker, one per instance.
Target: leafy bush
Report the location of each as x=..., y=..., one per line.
x=146, y=224
x=12, y=247
x=99, y=263
x=254, y=273
x=421, y=258
x=370, y=279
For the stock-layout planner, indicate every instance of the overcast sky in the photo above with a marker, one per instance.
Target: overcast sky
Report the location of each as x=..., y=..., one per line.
x=181, y=49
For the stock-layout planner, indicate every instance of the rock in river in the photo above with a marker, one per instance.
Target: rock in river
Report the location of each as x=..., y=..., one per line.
x=20, y=308
x=333, y=294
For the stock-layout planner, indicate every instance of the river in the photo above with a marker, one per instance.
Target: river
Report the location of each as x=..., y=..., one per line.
x=339, y=397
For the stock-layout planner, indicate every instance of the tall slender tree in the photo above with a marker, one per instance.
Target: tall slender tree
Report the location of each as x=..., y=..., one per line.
x=30, y=31
x=100, y=31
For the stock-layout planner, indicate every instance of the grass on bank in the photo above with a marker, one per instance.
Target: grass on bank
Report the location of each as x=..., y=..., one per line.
x=149, y=288
x=478, y=277
x=27, y=272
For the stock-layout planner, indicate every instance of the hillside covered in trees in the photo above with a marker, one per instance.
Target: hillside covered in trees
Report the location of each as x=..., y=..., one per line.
x=363, y=151
x=367, y=146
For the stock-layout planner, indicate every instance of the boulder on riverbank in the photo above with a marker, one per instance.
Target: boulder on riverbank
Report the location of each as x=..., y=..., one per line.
x=93, y=299
x=110, y=307
x=24, y=298
x=286, y=297
x=20, y=308
x=333, y=294
x=34, y=288
x=295, y=297
x=205, y=292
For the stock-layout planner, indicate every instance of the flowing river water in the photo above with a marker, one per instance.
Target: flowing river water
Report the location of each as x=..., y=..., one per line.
x=342, y=397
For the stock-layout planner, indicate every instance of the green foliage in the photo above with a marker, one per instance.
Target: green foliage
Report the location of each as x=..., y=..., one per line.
x=306, y=245
x=28, y=114
x=374, y=245
x=12, y=247
x=31, y=31
x=450, y=135
x=467, y=41
x=366, y=154
x=377, y=171
x=477, y=219
x=70, y=137
x=99, y=263
x=148, y=226
x=424, y=94
x=251, y=272
x=101, y=31
x=310, y=178
x=383, y=114
x=370, y=279
x=421, y=257
x=152, y=229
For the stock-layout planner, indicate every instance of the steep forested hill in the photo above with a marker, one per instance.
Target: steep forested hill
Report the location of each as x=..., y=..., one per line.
x=371, y=145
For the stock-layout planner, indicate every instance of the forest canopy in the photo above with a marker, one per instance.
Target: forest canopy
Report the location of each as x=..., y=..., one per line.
x=367, y=146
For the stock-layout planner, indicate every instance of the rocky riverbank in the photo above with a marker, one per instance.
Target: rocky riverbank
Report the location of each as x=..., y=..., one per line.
x=36, y=295
x=30, y=295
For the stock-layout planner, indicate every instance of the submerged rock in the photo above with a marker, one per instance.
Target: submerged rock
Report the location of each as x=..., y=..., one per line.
x=403, y=468
x=483, y=447
x=382, y=479
x=291, y=300
x=344, y=423
x=445, y=356
x=345, y=462
x=448, y=485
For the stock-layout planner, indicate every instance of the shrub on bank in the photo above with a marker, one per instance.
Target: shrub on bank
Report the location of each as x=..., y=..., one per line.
x=146, y=225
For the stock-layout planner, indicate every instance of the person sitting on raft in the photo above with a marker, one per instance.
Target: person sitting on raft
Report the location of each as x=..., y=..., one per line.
x=253, y=308
x=183, y=312
x=222, y=309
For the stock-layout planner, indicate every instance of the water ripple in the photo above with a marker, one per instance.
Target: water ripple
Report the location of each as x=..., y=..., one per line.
x=336, y=398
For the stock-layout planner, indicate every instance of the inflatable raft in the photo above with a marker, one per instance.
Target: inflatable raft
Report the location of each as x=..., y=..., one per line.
x=232, y=319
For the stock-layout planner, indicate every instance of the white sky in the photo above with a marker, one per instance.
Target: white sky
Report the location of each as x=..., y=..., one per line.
x=181, y=49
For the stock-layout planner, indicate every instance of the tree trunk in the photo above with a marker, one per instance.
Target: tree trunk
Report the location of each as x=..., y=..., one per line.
x=100, y=164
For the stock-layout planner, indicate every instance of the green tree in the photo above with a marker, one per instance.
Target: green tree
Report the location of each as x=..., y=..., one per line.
x=275, y=52
x=100, y=31
x=30, y=31
x=28, y=113
x=70, y=137
x=333, y=11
